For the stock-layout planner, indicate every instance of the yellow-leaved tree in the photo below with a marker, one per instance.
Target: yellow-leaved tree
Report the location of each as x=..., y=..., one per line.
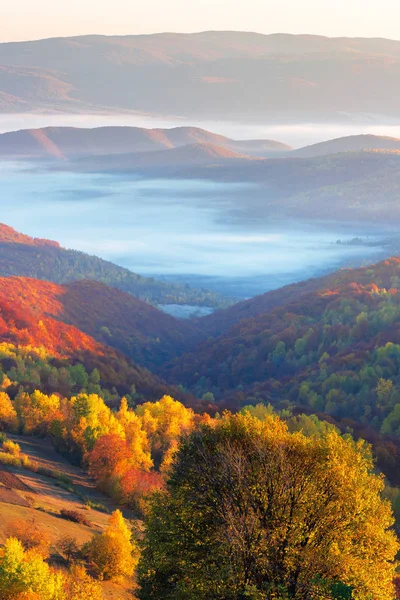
x=78, y=585
x=86, y=418
x=164, y=422
x=24, y=574
x=136, y=437
x=8, y=415
x=254, y=511
x=112, y=553
x=37, y=411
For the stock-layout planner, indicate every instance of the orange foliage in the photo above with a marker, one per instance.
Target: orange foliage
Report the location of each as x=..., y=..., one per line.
x=27, y=311
x=110, y=456
x=8, y=235
x=137, y=485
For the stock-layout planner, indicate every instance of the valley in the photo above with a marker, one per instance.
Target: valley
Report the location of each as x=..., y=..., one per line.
x=230, y=223
x=199, y=309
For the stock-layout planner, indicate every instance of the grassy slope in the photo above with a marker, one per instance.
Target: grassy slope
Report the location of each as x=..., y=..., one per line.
x=49, y=499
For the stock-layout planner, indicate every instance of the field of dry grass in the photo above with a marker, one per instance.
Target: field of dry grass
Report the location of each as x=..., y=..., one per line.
x=27, y=496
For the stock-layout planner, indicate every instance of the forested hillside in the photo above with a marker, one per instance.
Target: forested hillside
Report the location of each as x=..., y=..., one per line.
x=23, y=256
x=49, y=330
x=331, y=346
x=324, y=353
x=43, y=311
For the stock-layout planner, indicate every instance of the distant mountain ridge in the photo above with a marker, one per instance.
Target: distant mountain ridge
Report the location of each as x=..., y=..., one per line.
x=350, y=178
x=229, y=75
x=114, y=141
x=70, y=142
x=352, y=143
x=181, y=157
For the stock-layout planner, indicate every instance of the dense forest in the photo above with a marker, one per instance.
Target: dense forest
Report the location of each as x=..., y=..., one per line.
x=334, y=351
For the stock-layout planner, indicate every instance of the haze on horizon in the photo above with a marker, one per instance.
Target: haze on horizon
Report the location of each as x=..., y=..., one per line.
x=27, y=20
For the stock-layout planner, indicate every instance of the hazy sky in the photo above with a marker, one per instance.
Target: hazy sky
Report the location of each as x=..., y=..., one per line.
x=33, y=19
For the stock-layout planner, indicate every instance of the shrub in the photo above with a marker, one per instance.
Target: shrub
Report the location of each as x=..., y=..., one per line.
x=75, y=516
x=68, y=547
x=78, y=585
x=11, y=448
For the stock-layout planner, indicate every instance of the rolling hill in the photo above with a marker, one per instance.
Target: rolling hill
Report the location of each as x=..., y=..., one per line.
x=72, y=142
x=229, y=75
x=21, y=255
x=352, y=143
x=352, y=178
x=346, y=186
x=46, y=345
x=68, y=318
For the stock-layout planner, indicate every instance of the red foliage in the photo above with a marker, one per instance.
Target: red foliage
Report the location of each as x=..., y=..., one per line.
x=109, y=453
x=137, y=485
x=108, y=315
x=27, y=311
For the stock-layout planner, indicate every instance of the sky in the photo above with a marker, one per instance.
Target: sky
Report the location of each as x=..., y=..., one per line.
x=36, y=19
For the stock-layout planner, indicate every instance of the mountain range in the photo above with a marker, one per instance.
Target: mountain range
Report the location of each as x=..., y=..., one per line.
x=229, y=75
x=73, y=142
x=352, y=178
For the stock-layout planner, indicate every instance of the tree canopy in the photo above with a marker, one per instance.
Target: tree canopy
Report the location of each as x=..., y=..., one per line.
x=254, y=511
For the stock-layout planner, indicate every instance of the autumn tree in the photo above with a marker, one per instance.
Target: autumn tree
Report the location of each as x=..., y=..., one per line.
x=86, y=418
x=164, y=422
x=24, y=574
x=135, y=436
x=254, y=511
x=37, y=411
x=136, y=487
x=68, y=547
x=112, y=554
x=8, y=415
x=31, y=535
x=109, y=458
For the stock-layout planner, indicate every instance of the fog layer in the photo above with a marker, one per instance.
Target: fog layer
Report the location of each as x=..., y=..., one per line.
x=189, y=230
